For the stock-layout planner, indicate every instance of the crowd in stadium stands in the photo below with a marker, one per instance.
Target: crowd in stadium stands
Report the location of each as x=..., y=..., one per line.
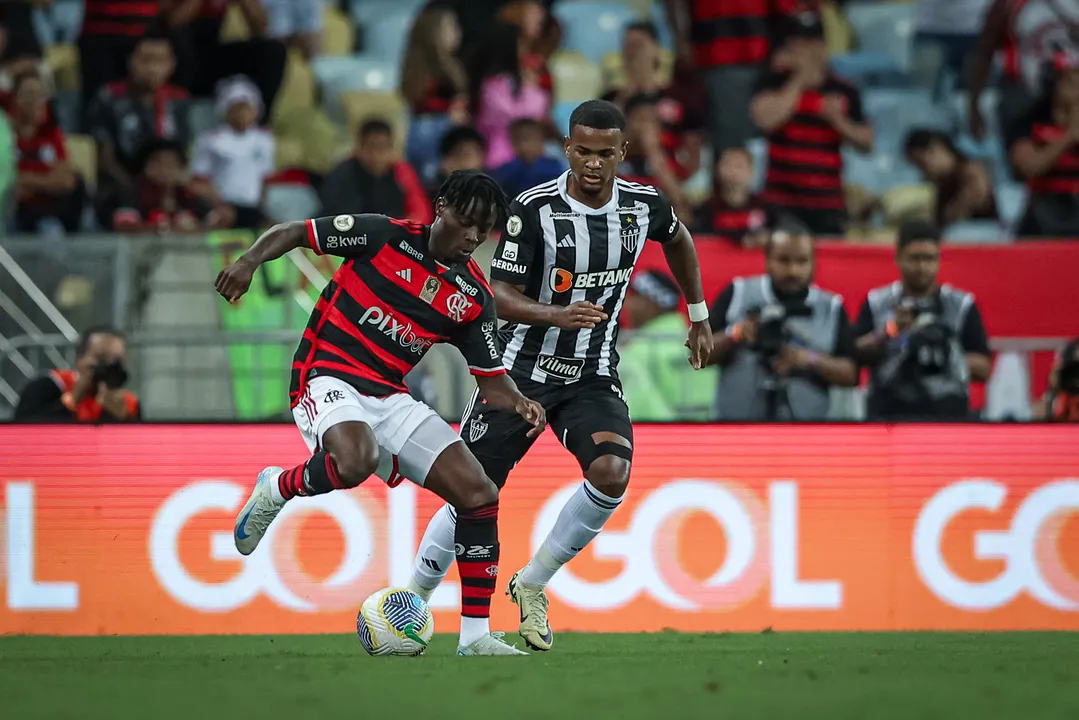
x=850, y=115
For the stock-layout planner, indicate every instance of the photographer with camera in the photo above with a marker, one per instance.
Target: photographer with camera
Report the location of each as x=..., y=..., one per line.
x=924, y=342
x=1061, y=400
x=92, y=392
x=780, y=341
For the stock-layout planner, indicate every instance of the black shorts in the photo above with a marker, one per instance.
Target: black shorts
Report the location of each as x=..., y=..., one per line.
x=499, y=438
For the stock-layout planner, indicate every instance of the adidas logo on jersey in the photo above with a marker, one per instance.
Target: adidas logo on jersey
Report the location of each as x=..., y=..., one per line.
x=405, y=274
x=566, y=242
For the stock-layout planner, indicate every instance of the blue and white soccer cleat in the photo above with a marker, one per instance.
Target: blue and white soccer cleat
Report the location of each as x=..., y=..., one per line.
x=257, y=513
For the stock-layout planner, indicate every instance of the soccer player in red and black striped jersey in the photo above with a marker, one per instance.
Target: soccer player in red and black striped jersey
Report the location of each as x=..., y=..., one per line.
x=402, y=288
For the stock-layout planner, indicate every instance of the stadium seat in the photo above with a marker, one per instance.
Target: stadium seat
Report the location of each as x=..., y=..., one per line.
x=287, y=202
x=234, y=26
x=894, y=113
x=884, y=28
x=288, y=153
x=1011, y=202
x=67, y=104
x=663, y=28
x=576, y=78
x=614, y=74
x=60, y=23
x=908, y=202
x=386, y=37
x=298, y=86
x=979, y=232
x=319, y=137
x=758, y=149
x=561, y=114
x=82, y=152
x=593, y=28
x=63, y=62
x=362, y=106
x=868, y=69
x=338, y=33
x=365, y=12
x=338, y=75
x=201, y=116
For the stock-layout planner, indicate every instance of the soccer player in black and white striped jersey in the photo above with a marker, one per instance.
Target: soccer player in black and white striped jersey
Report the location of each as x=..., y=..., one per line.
x=560, y=276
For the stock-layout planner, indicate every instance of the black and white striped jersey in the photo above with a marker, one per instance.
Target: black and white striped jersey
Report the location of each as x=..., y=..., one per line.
x=561, y=252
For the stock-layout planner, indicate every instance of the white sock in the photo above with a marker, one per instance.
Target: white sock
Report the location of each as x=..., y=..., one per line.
x=436, y=553
x=472, y=629
x=275, y=489
x=580, y=520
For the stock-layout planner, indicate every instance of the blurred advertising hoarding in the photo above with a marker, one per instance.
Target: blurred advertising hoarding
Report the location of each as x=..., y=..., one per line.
x=127, y=530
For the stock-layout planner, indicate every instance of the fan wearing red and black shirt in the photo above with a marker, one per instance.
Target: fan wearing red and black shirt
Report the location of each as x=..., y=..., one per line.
x=403, y=288
x=1045, y=153
x=734, y=213
x=808, y=116
x=47, y=186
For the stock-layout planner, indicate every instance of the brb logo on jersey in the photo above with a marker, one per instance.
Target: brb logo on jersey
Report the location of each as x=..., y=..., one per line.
x=563, y=280
x=391, y=327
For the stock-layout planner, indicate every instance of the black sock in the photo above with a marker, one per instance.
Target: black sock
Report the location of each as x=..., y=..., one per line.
x=476, y=540
x=317, y=476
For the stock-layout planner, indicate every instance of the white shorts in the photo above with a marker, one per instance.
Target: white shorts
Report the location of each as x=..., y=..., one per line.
x=410, y=435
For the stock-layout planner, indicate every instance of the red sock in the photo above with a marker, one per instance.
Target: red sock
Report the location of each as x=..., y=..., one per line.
x=476, y=539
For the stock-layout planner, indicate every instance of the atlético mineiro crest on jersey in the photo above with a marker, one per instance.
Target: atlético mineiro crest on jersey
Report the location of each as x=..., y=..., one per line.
x=476, y=429
x=430, y=289
x=630, y=229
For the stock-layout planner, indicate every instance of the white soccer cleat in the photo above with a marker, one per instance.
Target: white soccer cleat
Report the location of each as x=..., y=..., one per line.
x=257, y=513
x=414, y=587
x=532, y=602
x=490, y=644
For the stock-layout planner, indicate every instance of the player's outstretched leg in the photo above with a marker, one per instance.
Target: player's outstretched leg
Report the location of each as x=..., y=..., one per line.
x=457, y=477
x=349, y=456
x=580, y=520
x=436, y=553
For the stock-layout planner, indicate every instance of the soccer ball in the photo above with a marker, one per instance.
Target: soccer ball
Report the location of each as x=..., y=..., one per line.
x=395, y=621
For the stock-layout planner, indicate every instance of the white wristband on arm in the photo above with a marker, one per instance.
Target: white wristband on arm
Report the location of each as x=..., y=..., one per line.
x=698, y=312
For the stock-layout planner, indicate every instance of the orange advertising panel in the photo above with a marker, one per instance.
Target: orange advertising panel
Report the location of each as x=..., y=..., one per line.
x=127, y=530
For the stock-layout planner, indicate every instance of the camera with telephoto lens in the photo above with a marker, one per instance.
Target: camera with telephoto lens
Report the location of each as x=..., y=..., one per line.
x=113, y=374
x=772, y=330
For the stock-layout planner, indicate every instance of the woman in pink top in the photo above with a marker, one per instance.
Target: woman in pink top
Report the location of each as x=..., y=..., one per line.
x=508, y=90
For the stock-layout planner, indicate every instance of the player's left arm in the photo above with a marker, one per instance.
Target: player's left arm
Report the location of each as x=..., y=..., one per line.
x=478, y=343
x=681, y=256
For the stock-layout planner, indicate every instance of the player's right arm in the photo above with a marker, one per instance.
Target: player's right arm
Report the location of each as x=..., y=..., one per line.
x=344, y=235
x=518, y=266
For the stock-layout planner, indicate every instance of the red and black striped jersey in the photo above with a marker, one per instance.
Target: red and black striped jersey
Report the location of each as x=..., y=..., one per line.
x=1063, y=177
x=119, y=17
x=388, y=304
x=805, y=165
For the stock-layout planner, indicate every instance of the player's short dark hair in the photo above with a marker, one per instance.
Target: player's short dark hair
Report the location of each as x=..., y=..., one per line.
x=85, y=335
x=598, y=115
x=648, y=28
x=476, y=193
x=457, y=136
x=913, y=231
x=374, y=126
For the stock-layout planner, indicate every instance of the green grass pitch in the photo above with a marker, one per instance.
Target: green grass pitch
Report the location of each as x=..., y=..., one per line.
x=657, y=676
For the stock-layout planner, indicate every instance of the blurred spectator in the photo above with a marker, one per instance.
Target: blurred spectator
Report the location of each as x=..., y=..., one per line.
x=161, y=200
x=128, y=113
x=964, y=186
x=529, y=166
x=730, y=43
x=296, y=23
x=808, y=115
x=20, y=50
x=1061, y=400
x=1026, y=32
x=374, y=180
x=924, y=342
x=110, y=32
x=236, y=158
x=434, y=84
x=950, y=28
x=734, y=213
x=1045, y=153
x=540, y=36
x=658, y=383
x=780, y=341
x=92, y=392
x=507, y=90
x=645, y=160
x=205, y=59
x=461, y=148
x=681, y=127
x=47, y=186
